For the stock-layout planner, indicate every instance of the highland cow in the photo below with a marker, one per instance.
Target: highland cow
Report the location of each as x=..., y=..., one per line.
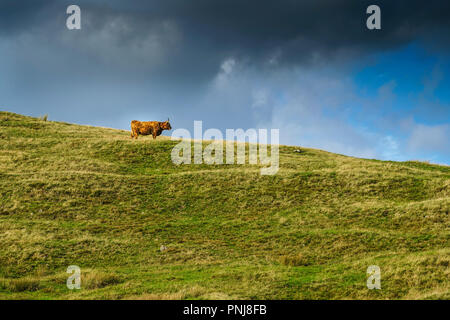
x=145, y=128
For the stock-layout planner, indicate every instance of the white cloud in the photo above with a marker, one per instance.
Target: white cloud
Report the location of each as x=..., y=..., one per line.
x=316, y=108
x=223, y=77
x=228, y=65
x=430, y=138
x=389, y=147
x=260, y=97
x=296, y=101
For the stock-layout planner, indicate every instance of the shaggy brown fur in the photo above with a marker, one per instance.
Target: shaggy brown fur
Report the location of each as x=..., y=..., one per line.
x=148, y=127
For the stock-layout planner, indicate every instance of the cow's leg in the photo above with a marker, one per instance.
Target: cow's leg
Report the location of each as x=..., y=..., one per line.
x=154, y=134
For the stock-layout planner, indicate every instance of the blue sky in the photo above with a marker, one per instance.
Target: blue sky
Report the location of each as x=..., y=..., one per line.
x=417, y=89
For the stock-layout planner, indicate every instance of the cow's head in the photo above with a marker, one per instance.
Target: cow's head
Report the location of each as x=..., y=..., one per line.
x=166, y=125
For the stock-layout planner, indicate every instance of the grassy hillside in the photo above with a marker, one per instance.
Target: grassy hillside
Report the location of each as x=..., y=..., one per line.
x=92, y=197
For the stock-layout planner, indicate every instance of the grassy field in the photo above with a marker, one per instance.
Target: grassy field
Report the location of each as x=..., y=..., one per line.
x=92, y=197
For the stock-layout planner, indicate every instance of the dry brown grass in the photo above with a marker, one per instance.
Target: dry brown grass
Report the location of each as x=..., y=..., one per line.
x=20, y=285
x=95, y=280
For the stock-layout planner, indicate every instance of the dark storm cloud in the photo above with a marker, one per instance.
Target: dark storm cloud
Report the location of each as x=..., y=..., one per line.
x=206, y=32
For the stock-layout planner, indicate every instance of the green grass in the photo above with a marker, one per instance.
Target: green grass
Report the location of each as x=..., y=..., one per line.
x=92, y=197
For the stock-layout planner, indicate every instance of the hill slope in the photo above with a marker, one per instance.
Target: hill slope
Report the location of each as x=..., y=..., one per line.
x=92, y=197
